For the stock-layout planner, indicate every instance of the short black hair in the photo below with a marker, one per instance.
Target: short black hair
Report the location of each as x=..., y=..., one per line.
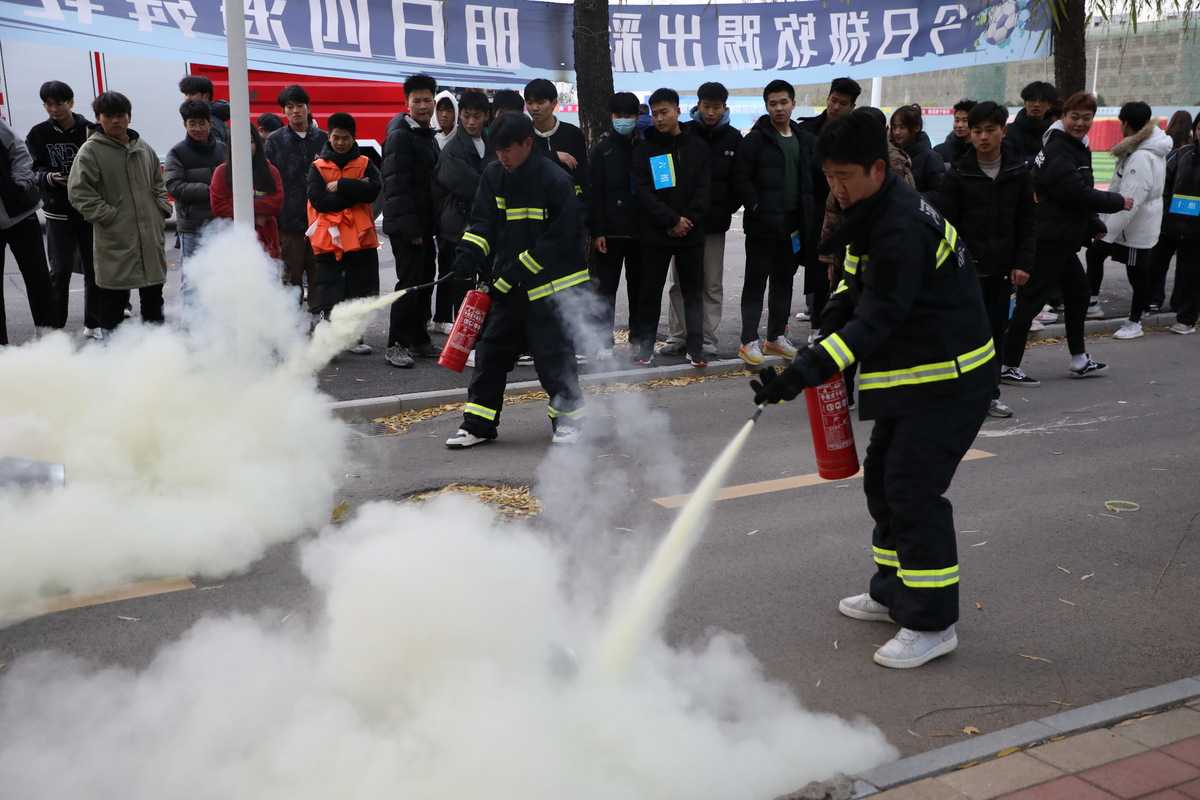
x=846, y=86
x=1136, y=113
x=269, y=121
x=195, y=109
x=342, y=121
x=625, y=103
x=779, y=85
x=112, y=104
x=510, y=129
x=292, y=94
x=713, y=91
x=57, y=91
x=474, y=101
x=875, y=114
x=196, y=84
x=664, y=95
x=416, y=83
x=1040, y=90
x=540, y=89
x=445, y=102
x=965, y=105
x=854, y=138
x=987, y=111
x=508, y=100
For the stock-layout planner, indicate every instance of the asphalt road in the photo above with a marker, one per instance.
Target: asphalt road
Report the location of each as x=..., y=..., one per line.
x=1103, y=601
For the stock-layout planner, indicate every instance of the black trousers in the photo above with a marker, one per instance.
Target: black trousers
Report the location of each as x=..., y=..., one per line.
x=1157, y=282
x=771, y=260
x=451, y=293
x=25, y=241
x=908, y=468
x=1053, y=267
x=113, y=301
x=516, y=325
x=415, y=265
x=689, y=266
x=356, y=275
x=997, y=294
x=1185, y=298
x=606, y=279
x=69, y=243
x=1140, y=277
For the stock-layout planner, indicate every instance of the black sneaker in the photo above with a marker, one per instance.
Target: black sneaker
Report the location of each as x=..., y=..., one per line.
x=644, y=359
x=672, y=349
x=697, y=360
x=1089, y=369
x=1013, y=376
x=425, y=350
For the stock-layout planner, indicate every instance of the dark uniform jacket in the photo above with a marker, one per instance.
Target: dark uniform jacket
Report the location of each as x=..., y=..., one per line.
x=908, y=309
x=953, y=148
x=928, y=169
x=1183, y=178
x=758, y=180
x=292, y=155
x=1026, y=135
x=1068, y=204
x=53, y=150
x=410, y=154
x=569, y=139
x=993, y=217
x=456, y=181
x=532, y=222
x=612, y=208
x=662, y=209
x=723, y=141
x=188, y=172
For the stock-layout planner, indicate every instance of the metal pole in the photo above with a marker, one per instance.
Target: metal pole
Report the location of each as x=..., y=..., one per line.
x=239, y=114
x=876, y=91
x=1096, y=69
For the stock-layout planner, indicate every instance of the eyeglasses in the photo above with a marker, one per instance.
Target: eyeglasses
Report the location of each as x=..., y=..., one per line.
x=62, y=104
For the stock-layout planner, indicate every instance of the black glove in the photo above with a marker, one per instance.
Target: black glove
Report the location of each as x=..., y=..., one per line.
x=464, y=269
x=778, y=387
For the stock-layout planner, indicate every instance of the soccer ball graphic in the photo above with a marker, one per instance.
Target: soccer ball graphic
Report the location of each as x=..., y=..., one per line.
x=1001, y=22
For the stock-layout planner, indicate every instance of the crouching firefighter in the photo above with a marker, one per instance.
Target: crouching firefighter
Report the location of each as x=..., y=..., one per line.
x=909, y=310
x=527, y=216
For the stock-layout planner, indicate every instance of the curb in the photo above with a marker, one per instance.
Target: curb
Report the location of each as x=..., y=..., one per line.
x=1058, y=330
x=1056, y=726
x=369, y=408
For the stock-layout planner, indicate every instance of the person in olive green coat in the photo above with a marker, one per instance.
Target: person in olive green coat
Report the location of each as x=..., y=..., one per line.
x=117, y=184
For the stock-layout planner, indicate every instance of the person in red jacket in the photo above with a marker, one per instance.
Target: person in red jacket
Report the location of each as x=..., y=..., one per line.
x=268, y=194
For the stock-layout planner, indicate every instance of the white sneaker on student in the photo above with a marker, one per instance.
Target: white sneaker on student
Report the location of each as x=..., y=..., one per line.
x=1182, y=328
x=861, y=606
x=1047, y=317
x=471, y=358
x=1130, y=330
x=443, y=327
x=1094, y=311
x=910, y=648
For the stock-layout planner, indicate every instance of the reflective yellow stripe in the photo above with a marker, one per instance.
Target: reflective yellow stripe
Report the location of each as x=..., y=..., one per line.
x=851, y=264
x=928, y=578
x=842, y=287
x=501, y=204
x=547, y=289
x=478, y=241
x=578, y=413
x=980, y=355
x=951, y=234
x=838, y=351
x=926, y=373
x=503, y=285
x=481, y=411
x=525, y=213
x=578, y=190
x=943, y=252
x=887, y=558
x=530, y=262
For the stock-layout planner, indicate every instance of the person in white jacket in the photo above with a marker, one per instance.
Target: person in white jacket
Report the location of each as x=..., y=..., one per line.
x=1140, y=173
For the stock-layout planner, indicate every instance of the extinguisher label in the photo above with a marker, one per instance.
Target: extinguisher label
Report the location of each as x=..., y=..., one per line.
x=834, y=420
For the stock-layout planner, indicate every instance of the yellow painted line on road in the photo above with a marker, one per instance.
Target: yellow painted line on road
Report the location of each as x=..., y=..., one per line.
x=66, y=602
x=781, y=484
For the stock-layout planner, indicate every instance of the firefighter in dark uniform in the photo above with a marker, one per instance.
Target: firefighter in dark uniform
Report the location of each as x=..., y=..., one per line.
x=527, y=217
x=909, y=311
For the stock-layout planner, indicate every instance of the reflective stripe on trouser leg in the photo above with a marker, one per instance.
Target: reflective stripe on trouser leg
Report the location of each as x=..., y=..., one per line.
x=553, y=351
x=500, y=341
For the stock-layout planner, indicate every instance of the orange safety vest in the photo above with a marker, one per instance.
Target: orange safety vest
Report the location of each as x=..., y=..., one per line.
x=342, y=231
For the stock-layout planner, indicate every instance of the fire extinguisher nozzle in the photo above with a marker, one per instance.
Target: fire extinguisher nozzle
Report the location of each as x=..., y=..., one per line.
x=758, y=412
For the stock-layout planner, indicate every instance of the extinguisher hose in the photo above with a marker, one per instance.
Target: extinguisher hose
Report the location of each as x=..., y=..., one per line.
x=430, y=285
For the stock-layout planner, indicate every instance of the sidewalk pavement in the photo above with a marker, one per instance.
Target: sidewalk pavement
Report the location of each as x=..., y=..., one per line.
x=1143, y=745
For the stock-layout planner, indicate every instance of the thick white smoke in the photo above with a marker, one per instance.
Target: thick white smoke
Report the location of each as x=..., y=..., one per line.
x=428, y=678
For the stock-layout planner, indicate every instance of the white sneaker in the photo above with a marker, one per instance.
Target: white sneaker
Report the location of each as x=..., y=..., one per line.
x=1094, y=311
x=780, y=347
x=910, y=648
x=1036, y=326
x=861, y=606
x=565, y=434
x=802, y=315
x=1180, y=328
x=525, y=360
x=1130, y=330
x=604, y=354
x=998, y=409
x=93, y=333
x=751, y=353
x=1047, y=317
x=580, y=360
x=463, y=439
x=471, y=358
x=443, y=327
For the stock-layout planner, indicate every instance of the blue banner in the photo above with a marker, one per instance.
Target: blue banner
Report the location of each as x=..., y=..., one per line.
x=504, y=43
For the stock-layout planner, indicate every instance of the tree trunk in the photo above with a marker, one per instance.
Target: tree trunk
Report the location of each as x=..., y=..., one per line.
x=593, y=68
x=1070, y=48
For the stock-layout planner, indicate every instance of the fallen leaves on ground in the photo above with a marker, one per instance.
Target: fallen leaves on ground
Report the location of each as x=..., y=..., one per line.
x=1035, y=658
x=510, y=501
x=979, y=607
x=338, y=510
x=1068, y=602
x=971, y=730
x=1118, y=506
x=1064, y=569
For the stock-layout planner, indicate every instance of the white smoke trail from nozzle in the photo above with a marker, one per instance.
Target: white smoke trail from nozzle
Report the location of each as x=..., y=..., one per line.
x=185, y=453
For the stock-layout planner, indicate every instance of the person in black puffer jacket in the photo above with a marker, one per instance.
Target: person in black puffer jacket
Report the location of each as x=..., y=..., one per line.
x=1181, y=233
x=1066, y=218
x=188, y=173
x=671, y=177
x=1027, y=131
x=613, y=219
x=958, y=141
x=410, y=155
x=928, y=168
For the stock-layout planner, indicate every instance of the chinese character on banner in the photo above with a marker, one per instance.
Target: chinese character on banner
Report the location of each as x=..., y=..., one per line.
x=342, y=27
x=738, y=42
x=52, y=10
x=151, y=12
x=686, y=30
x=409, y=17
x=849, y=37
x=893, y=30
x=627, y=43
x=264, y=22
x=498, y=37
x=948, y=18
x=791, y=28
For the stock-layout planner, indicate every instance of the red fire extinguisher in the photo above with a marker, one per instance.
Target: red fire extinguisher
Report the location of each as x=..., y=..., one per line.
x=465, y=331
x=833, y=438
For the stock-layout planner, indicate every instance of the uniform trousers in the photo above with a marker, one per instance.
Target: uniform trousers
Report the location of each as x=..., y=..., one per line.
x=908, y=468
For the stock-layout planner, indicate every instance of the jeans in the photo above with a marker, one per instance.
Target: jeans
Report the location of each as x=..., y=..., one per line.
x=69, y=242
